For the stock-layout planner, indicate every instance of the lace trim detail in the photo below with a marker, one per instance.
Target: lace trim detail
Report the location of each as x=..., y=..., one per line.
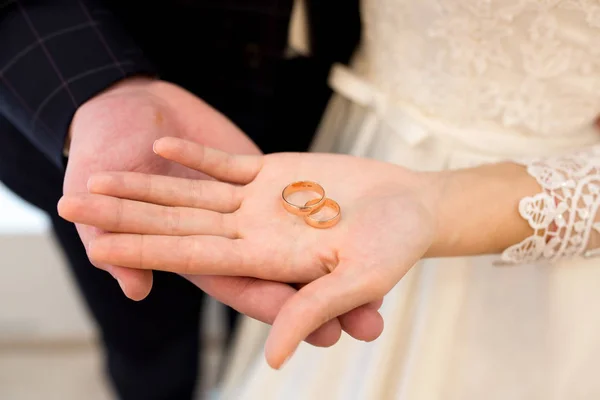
x=563, y=217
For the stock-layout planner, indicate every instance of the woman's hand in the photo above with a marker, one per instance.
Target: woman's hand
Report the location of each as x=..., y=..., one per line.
x=239, y=227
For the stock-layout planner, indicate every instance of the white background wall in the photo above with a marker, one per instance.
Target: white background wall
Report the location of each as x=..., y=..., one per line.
x=38, y=299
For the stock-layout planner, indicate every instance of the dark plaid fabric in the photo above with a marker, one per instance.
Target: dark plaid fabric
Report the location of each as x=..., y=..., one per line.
x=54, y=55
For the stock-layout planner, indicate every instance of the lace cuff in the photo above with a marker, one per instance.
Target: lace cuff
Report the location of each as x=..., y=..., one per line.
x=564, y=215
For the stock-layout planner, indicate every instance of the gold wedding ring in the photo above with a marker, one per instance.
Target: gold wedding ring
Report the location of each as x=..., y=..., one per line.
x=303, y=186
x=326, y=223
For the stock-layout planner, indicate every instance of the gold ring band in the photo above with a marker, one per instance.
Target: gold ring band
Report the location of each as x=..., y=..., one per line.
x=327, y=223
x=303, y=186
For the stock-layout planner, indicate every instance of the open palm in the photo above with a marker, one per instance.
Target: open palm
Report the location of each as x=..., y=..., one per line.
x=238, y=227
x=114, y=132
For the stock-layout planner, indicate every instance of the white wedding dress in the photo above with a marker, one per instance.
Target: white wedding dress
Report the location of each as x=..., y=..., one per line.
x=451, y=84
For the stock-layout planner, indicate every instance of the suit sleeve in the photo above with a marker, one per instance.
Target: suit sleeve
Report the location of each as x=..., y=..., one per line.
x=55, y=55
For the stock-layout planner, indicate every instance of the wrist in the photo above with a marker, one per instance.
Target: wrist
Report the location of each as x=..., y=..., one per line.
x=476, y=211
x=435, y=187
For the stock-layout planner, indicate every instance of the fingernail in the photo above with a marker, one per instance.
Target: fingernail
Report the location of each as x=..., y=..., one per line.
x=154, y=147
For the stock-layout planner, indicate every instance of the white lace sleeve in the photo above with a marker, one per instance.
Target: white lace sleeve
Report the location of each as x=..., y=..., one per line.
x=564, y=215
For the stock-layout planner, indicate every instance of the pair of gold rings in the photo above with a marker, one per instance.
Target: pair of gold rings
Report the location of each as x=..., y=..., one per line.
x=311, y=207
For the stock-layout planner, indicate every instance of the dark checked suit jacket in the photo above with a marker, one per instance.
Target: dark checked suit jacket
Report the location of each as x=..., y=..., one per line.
x=56, y=54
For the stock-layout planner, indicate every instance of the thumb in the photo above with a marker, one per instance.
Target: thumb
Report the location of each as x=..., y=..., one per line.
x=136, y=284
x=328, y=297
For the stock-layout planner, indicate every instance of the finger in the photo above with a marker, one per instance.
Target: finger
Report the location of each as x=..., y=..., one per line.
x=118, y=215
x=375, y=305
x=261, y=300
x=241, y=169
x=167, y=191
x=326, y=335
x=363, y=323
x=332, y=295
x=135, y=284
x=194, y=255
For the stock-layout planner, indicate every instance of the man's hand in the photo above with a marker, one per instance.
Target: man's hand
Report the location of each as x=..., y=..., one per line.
x=115, y=131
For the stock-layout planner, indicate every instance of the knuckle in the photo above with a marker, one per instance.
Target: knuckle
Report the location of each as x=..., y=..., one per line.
x=228, y=164
x=172, y=218
x=147, y=186
x=196, y=191
x=142, y=252
x=119, y=214
x=202, y=156
x=188, y=248
x=314, y=307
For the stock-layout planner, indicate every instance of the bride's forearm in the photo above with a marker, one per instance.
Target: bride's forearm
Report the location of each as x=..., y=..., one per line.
x=477, y=209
